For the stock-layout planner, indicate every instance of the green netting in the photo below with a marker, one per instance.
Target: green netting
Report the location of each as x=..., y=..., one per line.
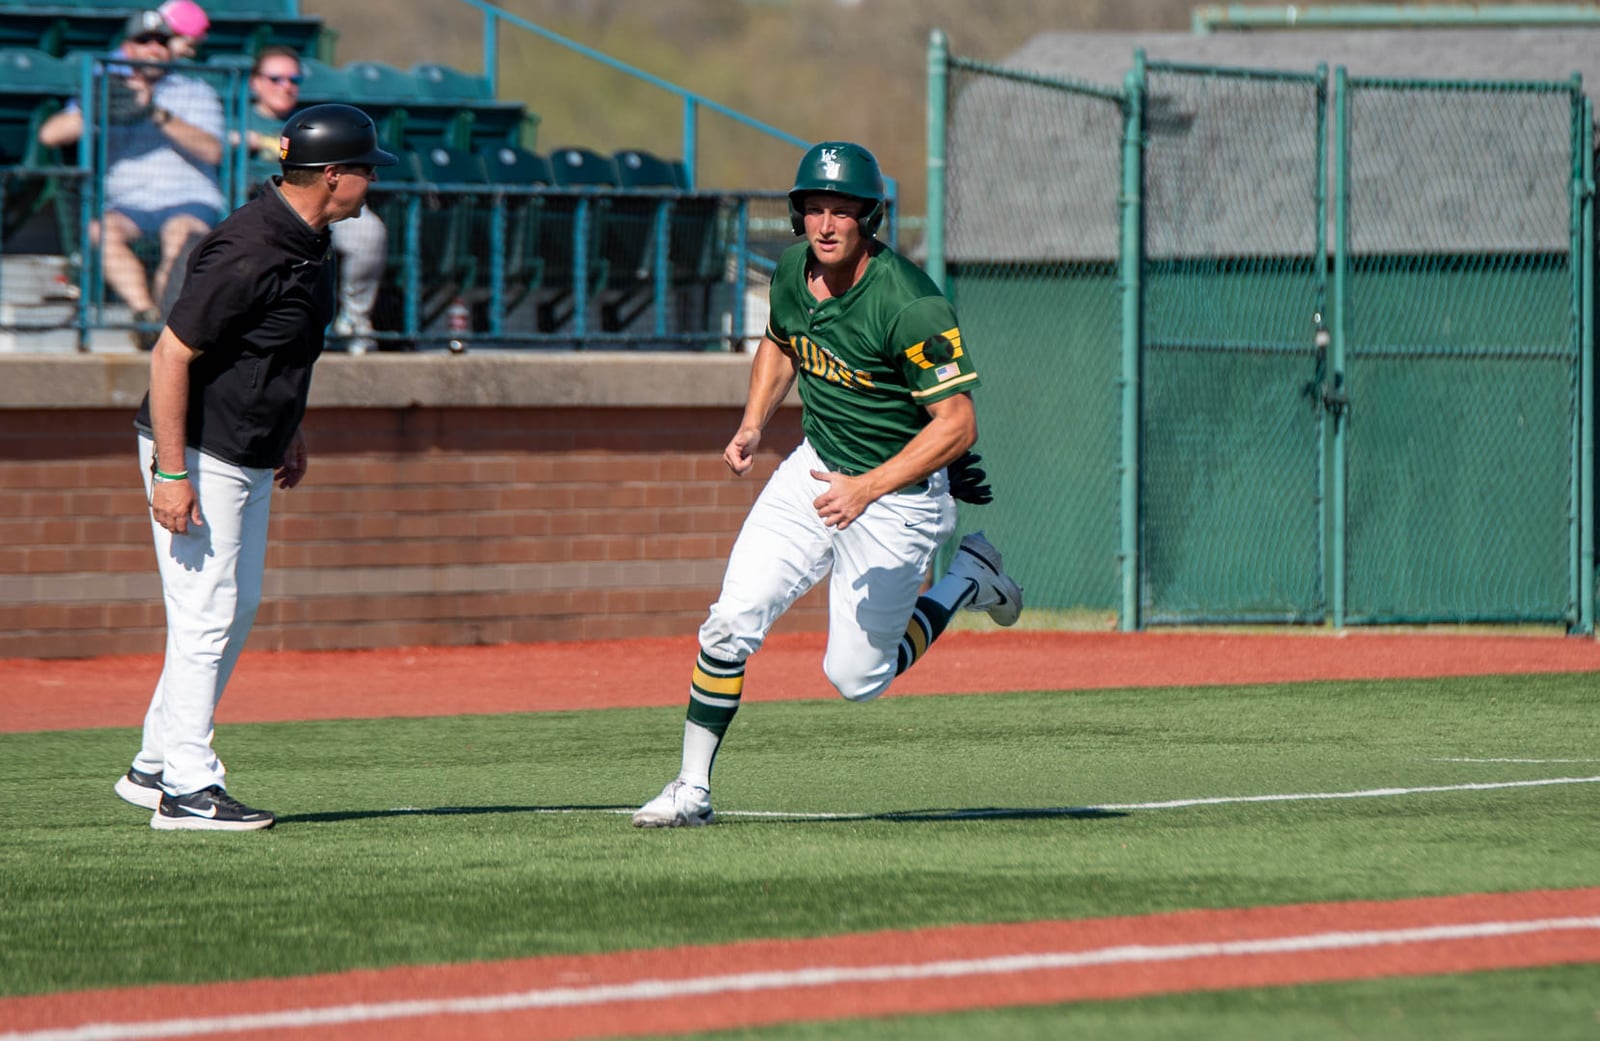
x=1461, y=352
x=1230, y=510
x=1031, y=253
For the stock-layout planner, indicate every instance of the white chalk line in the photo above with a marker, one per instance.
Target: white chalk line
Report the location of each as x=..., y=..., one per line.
x=1457, y=759
x=815, y=976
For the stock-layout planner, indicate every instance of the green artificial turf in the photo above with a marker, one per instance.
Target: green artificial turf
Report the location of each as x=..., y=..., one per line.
x=481, y=837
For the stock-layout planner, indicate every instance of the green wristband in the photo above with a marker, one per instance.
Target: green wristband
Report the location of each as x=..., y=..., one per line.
x=184, y=476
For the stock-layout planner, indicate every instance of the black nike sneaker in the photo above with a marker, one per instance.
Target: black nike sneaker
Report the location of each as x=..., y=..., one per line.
x=209, y=809
x=140, y=788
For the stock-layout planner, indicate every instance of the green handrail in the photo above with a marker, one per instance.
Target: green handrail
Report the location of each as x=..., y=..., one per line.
x=1210, y=18
x=692, y=102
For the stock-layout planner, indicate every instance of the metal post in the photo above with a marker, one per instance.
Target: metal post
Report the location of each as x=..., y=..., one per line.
x=1336, y=344
x=661, y=267
x=691, y=137
x=741, y=271
x=580, y=268
x=938, y=86
x=491, y=48
x=497, y=264
x=1585, y=265
x=413, y=273
x=1131, y=263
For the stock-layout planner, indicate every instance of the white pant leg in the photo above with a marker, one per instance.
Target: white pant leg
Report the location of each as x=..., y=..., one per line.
x=211, y=582
x=880, y=562
x=783, y=549
x=362, y=243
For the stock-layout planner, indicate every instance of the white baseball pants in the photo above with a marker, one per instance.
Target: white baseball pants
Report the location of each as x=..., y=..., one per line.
x=211, y=581
x=878, y=565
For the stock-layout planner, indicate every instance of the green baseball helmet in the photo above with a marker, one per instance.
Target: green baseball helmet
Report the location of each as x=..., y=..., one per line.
x=845, y=169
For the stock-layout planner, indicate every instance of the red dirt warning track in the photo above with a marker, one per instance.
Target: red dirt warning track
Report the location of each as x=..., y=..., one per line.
x=637, y=993
x=431, y=681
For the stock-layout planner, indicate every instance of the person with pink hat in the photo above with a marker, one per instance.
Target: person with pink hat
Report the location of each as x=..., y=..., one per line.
x=189, y=24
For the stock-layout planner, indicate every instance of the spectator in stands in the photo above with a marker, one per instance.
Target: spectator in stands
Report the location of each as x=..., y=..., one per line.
x=362, y=243
x=163, y=144
x=189, y=23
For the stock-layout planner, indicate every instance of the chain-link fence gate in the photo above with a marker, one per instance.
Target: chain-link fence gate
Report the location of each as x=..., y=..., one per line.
x=1233, y=279
x=1031, y=261
x=1462, y=338
x=1198, y=408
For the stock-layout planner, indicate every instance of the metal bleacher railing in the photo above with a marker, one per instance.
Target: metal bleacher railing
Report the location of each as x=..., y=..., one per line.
x=493, y=242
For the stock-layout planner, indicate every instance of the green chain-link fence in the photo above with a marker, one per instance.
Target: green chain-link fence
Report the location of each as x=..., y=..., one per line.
x=1249, y=355
x=1461, y=349
x=1034, y=280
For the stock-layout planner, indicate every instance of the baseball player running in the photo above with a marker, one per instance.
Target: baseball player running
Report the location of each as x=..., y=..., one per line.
x=885, y=388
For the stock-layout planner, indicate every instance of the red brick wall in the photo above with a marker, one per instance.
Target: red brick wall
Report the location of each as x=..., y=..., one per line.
x=414, y=526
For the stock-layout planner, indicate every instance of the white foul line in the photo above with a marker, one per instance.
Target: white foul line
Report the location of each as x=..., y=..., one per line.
x=1169, y=804
x=1458, y=759
x=817, y=976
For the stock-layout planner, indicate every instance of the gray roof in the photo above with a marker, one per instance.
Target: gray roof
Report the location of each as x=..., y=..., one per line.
x=1230, y=170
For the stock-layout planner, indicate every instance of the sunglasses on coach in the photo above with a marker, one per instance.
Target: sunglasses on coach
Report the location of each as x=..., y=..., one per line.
x=283, y=79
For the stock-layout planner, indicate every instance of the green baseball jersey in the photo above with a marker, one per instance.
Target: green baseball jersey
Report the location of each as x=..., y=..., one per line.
x=870, y=361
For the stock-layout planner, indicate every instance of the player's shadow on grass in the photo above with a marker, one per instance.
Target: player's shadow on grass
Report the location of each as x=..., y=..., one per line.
x=970, y=813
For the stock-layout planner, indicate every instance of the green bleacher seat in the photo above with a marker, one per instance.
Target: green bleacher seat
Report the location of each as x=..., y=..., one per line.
x=459, y=109
x=376, y=80
x=247, y=33
x=25, y=70
x=508, y=166
x=639, y=169
x=33, y=86
x=441, y=81
x=579, y=167
x=384, y=93
x=258, y=8
x=695, y=252
x=453, y=214
x=322, y=82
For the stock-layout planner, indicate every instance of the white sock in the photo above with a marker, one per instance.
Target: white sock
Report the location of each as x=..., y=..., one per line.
x=952, y=592
x=699, y=751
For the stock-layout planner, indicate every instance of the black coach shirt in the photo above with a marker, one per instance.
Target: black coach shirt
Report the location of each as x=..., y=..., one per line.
x=256, y=301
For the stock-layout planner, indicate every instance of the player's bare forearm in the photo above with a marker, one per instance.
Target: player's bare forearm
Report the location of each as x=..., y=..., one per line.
x=952, y=429
x=772, y=374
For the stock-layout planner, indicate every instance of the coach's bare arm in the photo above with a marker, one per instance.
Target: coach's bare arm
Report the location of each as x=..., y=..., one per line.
x=172, y=503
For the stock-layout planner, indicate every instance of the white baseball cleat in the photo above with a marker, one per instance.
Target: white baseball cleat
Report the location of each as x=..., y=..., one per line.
x=998, y=593
x=680, y=805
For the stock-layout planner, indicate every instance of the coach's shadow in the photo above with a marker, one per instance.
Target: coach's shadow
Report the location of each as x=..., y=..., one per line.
x=338, y=816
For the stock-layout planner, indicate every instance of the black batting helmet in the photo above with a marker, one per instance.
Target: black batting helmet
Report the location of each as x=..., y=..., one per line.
x=326, y=135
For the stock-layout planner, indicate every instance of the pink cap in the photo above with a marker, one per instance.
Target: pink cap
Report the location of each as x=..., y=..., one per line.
x=186, y=17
